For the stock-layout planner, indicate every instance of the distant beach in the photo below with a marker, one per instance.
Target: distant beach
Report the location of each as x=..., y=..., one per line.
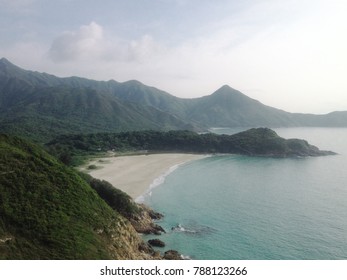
x=135, y=174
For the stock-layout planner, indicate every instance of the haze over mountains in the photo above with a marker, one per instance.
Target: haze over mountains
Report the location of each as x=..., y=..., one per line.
x=41, y=106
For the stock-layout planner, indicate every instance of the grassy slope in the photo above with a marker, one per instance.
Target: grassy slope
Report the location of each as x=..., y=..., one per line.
x=47, y=211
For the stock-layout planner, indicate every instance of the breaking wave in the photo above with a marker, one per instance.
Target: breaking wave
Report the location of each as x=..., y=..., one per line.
x=157, y=182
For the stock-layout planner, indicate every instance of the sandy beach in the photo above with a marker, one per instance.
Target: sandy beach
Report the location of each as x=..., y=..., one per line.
x=135, y=174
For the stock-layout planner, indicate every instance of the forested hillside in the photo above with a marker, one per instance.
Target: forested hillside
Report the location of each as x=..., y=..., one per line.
x=41, y=106
x=47, y=211
x=253, y=142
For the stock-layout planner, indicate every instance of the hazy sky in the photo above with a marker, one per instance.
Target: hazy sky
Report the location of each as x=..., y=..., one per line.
x=289, y=54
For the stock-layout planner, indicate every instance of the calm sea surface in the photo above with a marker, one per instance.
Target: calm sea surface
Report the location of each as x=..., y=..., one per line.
x=239, y=207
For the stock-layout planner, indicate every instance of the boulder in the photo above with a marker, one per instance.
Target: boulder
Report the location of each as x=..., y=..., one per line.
x=172, y=255
x=156, y=243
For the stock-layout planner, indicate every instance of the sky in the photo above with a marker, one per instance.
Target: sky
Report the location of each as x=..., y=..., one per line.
x=288, y=54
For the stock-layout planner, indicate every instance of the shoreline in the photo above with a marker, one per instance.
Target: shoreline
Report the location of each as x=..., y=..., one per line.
x=137, y=175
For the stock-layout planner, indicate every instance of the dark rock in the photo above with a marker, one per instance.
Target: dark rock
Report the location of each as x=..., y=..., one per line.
x=172, y=255
x=151, y=213
x=143, y=221
x=158, y=229
x=156, y=243
x=151, y=229
x=155, y=215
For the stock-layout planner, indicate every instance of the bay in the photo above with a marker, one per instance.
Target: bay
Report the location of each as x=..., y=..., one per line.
x=240, y=207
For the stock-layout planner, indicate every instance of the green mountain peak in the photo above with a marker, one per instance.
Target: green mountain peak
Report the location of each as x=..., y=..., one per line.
x=42, y=106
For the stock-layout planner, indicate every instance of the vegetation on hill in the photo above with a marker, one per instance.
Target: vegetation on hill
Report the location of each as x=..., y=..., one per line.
x=140, y=216
x=41, y=106
x=257, y=142
x=115, y=198
x=47, y=112
x=47, y=211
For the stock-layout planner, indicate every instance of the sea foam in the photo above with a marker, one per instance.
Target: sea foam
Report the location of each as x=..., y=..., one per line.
x=157, y=182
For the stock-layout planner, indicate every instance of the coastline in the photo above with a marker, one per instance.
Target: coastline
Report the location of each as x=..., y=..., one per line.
x=136, y=175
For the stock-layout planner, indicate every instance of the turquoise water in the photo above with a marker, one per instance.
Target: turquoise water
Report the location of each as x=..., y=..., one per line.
x=238, y=207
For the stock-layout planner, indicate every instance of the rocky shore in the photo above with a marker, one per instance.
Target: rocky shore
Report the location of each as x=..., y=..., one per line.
x=144, y=223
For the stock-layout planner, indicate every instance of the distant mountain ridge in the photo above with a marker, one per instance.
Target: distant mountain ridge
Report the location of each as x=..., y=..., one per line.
x=33, y=103
x=40, y=105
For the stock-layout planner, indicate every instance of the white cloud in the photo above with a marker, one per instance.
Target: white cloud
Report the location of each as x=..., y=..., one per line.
x=145, y=48
x=286, y=61
x=90, y=43
x=87, y=41
x=278, y=53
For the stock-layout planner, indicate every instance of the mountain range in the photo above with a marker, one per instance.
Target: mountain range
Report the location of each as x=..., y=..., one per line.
x=41, y=106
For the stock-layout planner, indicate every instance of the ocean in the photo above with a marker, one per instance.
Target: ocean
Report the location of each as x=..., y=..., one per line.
x=230, y=207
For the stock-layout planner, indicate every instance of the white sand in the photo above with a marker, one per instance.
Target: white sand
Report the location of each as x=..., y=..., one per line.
x=135, y=174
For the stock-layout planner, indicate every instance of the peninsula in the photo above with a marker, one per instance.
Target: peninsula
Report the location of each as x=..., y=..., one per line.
x=252, y=142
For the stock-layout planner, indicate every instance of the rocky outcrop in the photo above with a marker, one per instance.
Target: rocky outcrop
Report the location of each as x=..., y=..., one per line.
x=143, y=222
x=124, y=243
x=172, y=255
x=156, y=243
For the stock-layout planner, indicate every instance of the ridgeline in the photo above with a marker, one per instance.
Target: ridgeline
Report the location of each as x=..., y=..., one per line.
x=41, y=106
